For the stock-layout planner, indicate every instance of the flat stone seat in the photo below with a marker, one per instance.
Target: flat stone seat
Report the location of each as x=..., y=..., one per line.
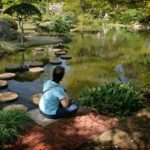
x=16, y=106
x=13, y=68
x=7, y=76
x=8, y=96
x=36, y=64
x=36, y=98
x=39, y=49
x=65, y=57
x=36, y=116
x=56, y=50
x=55, y=62
x=3, y=84
x=36, y=70
x=60, y=53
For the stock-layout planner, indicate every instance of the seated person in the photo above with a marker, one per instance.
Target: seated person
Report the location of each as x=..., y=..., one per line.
x=53, y=103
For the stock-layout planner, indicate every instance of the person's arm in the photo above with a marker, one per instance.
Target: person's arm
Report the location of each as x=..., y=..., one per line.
x=65, y=103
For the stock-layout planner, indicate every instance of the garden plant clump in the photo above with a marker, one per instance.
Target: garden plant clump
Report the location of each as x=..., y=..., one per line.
x=114, y=99
x=12, y=123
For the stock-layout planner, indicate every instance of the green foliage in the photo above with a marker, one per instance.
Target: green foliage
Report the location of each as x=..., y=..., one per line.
x=22, y=10
x=130, y=15
x=116, y=99
x=12, y=123
x=87, y=23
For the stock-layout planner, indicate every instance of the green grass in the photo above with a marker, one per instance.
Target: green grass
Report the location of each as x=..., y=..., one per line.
x=12, y=124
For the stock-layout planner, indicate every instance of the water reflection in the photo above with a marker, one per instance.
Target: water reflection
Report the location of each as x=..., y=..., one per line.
x=94, y=57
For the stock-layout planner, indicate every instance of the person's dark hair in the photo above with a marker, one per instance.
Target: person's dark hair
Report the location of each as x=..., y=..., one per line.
x=58, y=73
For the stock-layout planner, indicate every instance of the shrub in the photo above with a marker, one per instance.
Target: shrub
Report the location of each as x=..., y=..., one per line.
x=12, y=123
x=115, y=99
x=86, y=22
x=130, y=15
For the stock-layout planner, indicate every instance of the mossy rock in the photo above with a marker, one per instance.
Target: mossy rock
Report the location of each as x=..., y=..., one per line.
x=36, y=64
x=39, y=49
x=36, y=98
x=56, y=50
x=55, y=62
x=8, y=96
x=65, y=57
x=36, y=70
x=7, y=76
x=13, y=68
x=16, y=106
x=3, y=84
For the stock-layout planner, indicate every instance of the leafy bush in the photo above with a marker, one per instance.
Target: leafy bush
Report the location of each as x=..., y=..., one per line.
x=12, y=123
x=86, y=22
x=117, y=99
x=59, y=24
x=130, y=15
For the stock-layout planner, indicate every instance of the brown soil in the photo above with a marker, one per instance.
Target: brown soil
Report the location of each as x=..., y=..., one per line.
x=66, y=134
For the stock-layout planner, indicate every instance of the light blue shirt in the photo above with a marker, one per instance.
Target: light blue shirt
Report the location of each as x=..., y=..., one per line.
x=50, y=100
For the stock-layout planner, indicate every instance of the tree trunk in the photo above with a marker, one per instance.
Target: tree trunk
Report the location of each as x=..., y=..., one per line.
x=22, y=30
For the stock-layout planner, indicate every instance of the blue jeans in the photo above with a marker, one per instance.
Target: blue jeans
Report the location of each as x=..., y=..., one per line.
x=63, y=112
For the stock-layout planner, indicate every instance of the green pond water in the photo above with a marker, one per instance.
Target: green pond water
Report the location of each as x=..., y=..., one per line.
x=107, y=56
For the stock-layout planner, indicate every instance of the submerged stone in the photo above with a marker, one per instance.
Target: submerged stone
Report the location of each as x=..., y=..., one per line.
x=13, y=68
x=36, y=64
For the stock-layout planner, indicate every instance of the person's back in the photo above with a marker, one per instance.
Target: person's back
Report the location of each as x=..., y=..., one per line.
x=53, y=103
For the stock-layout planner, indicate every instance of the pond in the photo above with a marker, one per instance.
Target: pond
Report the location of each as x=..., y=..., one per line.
x=107, y=56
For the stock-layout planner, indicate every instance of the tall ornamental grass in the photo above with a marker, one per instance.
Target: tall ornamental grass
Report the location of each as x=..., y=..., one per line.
x=114, y=99
x=12, y=124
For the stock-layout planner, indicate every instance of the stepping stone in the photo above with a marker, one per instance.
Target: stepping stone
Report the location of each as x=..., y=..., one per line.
x=36, y=64
x=59, y=46
x=8, y=96
x=39, y=49
x=37, y=117
x=55, y=62
x=3, y=84
x=65, y=57
x=16, y=106
x=13, y=68
x=36, y=98
x=60, y=53
x=36, y=70
x=56, y=50
x=7, y=76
